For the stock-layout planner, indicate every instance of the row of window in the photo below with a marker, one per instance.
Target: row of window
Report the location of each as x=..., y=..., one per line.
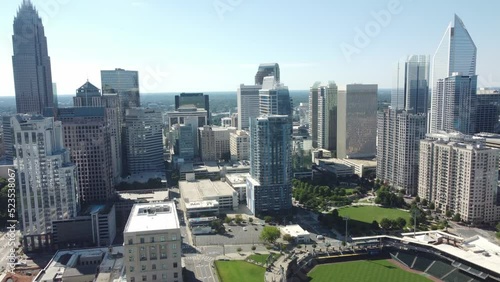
x=152, y=239
x=154, y=277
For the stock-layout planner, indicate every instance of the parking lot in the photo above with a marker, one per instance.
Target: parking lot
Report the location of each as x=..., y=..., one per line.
x=234, y=237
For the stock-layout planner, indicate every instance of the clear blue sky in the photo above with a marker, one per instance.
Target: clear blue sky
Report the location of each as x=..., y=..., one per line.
x=190, y=45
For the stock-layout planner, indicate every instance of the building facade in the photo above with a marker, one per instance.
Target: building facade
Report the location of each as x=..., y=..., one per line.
x=357, y=121
x=247, y=98
x=271, y=69
x=214, y=143
x=31, y=63
x=152, y=243
x=399, y=134
x=411, y=85
x=239, y=145
x=487, y=110
x=184, y=118
x=458, y=173
x=313, y=113
x=269, y=187
x=456, y=53
x=274, y=98
x=144, y=140
x=327, y=116
x=87, y=136
x=47, y=180
x=125, y=83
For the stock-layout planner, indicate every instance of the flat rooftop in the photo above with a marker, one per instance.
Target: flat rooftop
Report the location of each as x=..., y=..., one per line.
x=145, y=196
x=66, y=264
x=152, y=217
x=367, y=163
x=294, y=230
x=237, y=178
x=210, y=167
x=204, y=189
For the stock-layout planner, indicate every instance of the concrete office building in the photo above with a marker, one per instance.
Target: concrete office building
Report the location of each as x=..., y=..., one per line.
x=183, y=118
x=214, y=143
x=87, y=136
x=47, y=180
x=144, y=140
x=458, y=173
x=239, y=145
x=247, y=98
x=195, y=193
x=357, y=121
x=31, y=63
x=152, y=243
x=327, y=116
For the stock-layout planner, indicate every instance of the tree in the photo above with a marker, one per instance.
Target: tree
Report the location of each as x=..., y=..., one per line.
x=270, y=234
x=250, y=219
x=288, y=238
x=268, y=218
x=385, y=223
x=432, y=206
x=425, y=202
x=375, y=225
x=400, y=222
x=417, y=199
x=238, y=249
x=227, y=219
x=254, y=248
x=456, y=217
x=448, y=213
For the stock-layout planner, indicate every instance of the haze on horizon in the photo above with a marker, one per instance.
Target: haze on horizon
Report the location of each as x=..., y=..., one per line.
x=214, y=45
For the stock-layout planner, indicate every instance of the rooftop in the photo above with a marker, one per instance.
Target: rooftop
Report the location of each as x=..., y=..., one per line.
x=294, y=230
x=152, y=217
x=145, y=196
x=236, y=178
x=360, y=162
x=68, y=263
x=204, y=189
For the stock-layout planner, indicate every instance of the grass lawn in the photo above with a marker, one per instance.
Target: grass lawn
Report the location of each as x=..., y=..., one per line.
x=370, y=213
x=262, y=258
x=240, y=271
x=363, y=270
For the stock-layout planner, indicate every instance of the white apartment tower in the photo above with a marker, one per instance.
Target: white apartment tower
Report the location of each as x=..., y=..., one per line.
x=47, y=181
x=459, y=173
x=248, y=104
x=152, y=243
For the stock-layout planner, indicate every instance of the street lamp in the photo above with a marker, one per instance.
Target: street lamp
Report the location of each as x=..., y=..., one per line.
x=416, y=213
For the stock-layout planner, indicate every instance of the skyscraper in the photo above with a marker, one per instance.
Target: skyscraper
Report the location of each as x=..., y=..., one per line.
x=48, y=186
x=87, y=135
x=400, y=128
x=274, y=98
x=269, y=186
x=125, y=83
x=313, y=113
x=411, y=89
x=327, y=116
x=456, y=53
x=488, y=111
x=196, y=100
x=31, y=63
x=458, y=173
x=248, y=104
x=459, y=103
x=357, y=121
x=272, y=69
x=214, y=143
x=89, y=96
x=399, y=133
x=144, y=140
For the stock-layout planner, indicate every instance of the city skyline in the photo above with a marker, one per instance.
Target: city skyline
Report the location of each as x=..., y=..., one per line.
x=219, y=47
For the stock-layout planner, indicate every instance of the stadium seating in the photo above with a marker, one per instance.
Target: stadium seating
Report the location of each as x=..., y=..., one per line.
x=406, y=258
x=439, y=269
x=422, y=263
x=456, y=276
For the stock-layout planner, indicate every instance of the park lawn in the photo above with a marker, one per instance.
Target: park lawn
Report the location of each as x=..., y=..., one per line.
x=370, y=213
x=363, y=270
x=262, y=258
x=240, y=271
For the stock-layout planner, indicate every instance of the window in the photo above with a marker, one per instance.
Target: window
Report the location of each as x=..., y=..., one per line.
x=152, y=239
x=175, y=265
x=131, y=269
x=176, y=275
x=144, y=278
x=130, y=241
x=132, y=279
x=164, y=276
x=154, y=276
x=131, y=258
x=162, y=238
x=174, y=246
x=153, y=267
x=143, y=267
x=163, y=266
x=174, y=237
x=142, y=240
